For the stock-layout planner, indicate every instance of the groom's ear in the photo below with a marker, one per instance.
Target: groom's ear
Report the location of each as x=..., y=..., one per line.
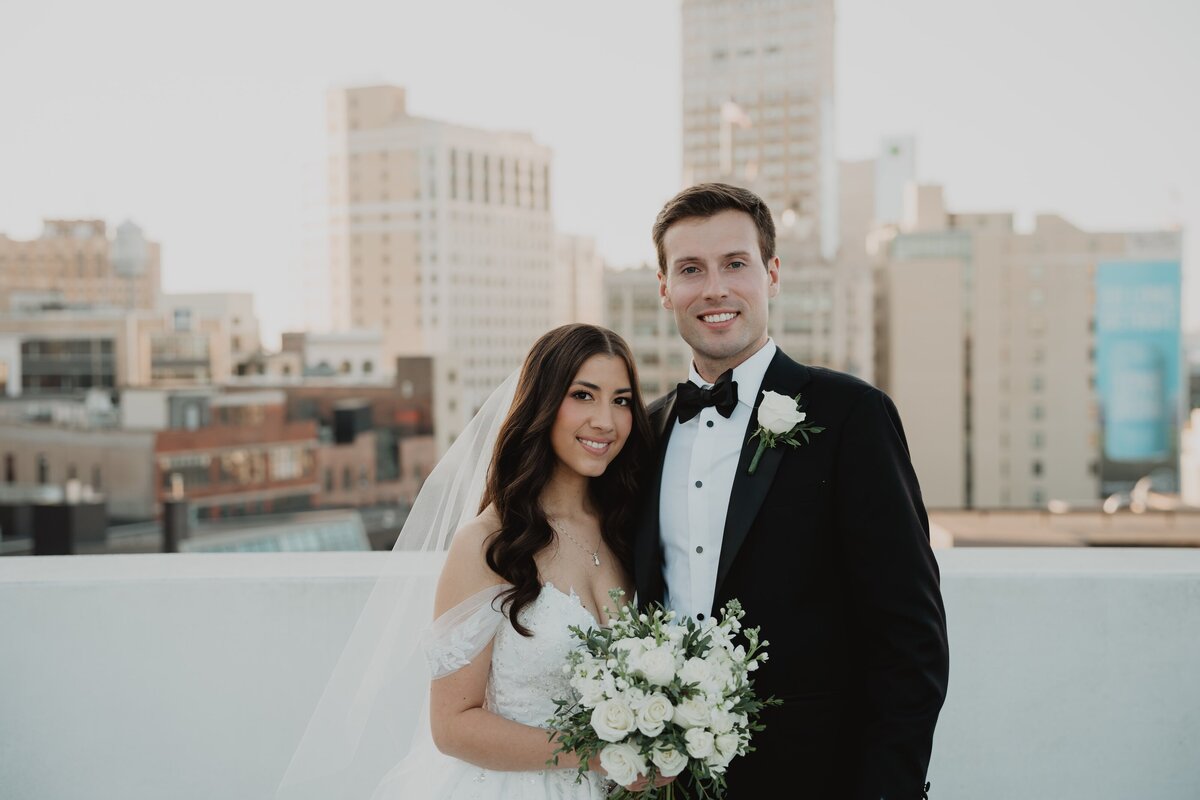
x=662, y=290
x=773, y=276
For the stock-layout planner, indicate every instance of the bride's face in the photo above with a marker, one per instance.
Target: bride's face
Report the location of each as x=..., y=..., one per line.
x=595, y=417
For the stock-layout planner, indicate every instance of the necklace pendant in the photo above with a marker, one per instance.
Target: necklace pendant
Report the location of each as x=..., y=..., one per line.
x=596, y=559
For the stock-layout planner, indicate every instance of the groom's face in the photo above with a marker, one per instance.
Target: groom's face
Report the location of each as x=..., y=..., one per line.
x=717, y=285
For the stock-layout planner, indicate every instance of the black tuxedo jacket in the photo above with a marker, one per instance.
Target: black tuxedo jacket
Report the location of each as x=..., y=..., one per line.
x=827, y=548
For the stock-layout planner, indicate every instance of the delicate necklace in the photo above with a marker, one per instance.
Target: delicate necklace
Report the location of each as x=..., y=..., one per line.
x=595, y=554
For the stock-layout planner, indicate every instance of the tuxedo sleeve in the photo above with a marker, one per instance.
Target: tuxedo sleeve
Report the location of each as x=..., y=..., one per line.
x=896, y=599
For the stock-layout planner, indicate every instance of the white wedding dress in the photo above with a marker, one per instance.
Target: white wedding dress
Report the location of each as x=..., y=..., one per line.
x=526, y=677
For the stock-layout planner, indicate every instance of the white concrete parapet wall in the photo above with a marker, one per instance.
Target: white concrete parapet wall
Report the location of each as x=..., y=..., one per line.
x=1075, y=673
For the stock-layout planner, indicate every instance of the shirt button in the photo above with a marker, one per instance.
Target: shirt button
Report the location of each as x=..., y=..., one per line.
x=699, y=484
x=710, y=423
x=700, y=616
x=699, y=548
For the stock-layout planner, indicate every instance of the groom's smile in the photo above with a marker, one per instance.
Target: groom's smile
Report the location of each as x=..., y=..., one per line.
x=718, y=286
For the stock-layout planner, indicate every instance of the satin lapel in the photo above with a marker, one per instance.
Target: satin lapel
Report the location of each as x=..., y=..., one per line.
x=746, y=497
x=648, y=552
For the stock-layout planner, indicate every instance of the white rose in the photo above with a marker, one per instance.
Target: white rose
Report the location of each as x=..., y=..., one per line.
x=699, y=742
x=612, y=720
x=670, y=762
x=691, y=713
x=725, y=747
x=633, y=651
x=695, y=670
x=623, y=763
x=722, y=721
x=777, y=413
x=654, y=715
x=657, y=665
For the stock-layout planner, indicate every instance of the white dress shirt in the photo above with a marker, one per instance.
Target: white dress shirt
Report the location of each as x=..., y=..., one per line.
x=698, y=471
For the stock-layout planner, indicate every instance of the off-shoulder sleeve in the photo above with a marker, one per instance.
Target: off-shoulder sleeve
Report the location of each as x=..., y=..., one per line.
x=458, y=635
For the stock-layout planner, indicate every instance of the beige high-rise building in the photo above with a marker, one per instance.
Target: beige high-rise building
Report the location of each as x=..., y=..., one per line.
x=758, y=111
x=578, y=281
x=441, y=237
x=758, y=102
x=76, y=262
x=986, y=342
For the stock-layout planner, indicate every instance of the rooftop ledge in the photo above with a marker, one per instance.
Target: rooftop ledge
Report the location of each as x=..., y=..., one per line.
x=1073, y=671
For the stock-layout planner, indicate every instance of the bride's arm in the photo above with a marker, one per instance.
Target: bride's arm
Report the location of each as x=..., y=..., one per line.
x=461, y=726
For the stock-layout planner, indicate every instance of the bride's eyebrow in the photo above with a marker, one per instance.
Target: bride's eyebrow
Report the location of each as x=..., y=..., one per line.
x=596, y=388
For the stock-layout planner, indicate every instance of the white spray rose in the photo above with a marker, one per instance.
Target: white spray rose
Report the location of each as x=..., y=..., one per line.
x=655, y=713
x=699, y=742
x=670, y=762
x=691, y=713
x=591, y=691
x=613, y=720
x=623, y=763
x=657, y=665
x=633, y=649
x=777, y=413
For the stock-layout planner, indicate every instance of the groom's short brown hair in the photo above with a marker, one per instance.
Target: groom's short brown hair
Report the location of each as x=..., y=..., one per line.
x=708, y=199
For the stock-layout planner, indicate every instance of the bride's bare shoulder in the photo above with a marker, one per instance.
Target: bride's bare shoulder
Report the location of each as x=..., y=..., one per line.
x=466, y=571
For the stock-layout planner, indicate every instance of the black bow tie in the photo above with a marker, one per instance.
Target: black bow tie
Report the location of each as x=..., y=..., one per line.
x=690, y=398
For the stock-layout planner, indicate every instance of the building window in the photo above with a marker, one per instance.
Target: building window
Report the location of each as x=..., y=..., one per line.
x=329, y=479
x=346, y=367
x=1037, y=468
x=96, y=484
x=10, y=468
x=43, y=469
x=347, y=478
x=368, y=367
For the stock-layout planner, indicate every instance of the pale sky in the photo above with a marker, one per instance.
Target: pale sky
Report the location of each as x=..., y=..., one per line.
x=204, y=122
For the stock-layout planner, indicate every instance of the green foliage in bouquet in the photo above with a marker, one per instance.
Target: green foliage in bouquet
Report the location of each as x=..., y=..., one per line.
x=655, y=697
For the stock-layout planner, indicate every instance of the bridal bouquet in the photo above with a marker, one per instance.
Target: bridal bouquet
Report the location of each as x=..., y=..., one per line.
x=655, y=697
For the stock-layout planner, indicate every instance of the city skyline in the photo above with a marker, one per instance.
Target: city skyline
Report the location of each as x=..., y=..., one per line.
x=210, y=135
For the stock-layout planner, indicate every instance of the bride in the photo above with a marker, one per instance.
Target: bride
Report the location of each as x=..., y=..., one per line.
x=550, y=540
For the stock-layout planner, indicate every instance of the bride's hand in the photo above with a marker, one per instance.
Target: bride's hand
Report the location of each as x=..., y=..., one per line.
x=640, y=785
x=643, y=783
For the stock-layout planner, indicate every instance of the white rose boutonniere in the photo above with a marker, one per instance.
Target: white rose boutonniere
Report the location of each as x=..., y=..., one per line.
x=780, y=420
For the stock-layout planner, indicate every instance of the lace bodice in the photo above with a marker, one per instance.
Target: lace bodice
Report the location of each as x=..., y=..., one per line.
x=527, y=672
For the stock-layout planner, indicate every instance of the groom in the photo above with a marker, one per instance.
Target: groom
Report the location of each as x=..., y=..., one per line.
x=826, y=544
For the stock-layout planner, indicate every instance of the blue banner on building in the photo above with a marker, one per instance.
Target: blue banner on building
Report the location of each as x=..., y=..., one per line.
x=1139, y=357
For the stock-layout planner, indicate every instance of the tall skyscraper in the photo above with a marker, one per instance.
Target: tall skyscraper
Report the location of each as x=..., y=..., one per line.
x=758, y=108
x=441, y=237
x=758, y=112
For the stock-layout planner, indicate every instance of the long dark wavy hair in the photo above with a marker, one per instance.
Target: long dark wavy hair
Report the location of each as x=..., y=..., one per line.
x=524, y=460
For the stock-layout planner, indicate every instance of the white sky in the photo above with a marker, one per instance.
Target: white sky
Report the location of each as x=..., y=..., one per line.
x=204, y=122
